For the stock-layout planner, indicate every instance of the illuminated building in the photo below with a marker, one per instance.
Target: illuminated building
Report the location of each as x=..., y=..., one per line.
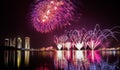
x=14, y=42
x=27, y=42
x=6, y=41
x=19, y=42
x=11, y=42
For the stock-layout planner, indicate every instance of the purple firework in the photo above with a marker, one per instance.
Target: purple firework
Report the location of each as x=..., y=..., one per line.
x=47, y=15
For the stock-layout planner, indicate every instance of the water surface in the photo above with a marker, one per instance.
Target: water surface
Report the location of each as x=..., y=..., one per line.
x=60, y=60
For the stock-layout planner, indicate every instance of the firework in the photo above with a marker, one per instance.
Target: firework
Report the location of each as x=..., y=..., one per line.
x=48, y=15
x=79, y=45
x=78, y=38
x=59, y=41
x=97, y=36
x=83, y=38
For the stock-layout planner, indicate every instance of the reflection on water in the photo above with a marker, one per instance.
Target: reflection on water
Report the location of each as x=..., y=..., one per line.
x=9, y=57
x=62, y=60
x=27, y=56
x=94, y=56
x=18, y=58
x=13, y=59
x=59, y=60
x=6, y=55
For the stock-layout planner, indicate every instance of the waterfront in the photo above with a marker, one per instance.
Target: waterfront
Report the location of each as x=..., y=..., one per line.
x=60, y=60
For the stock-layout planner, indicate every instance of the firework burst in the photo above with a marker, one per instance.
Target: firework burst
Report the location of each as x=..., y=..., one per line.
x=97, y=36
x=48, y=15
x=83, y=38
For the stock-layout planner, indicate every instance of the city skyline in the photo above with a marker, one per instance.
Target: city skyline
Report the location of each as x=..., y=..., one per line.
x=17, y=42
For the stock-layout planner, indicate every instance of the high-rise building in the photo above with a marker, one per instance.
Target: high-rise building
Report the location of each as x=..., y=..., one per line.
x=11, y=42
x=14, y=42
x=27, y=42
x=7, y=42
x=19, y=42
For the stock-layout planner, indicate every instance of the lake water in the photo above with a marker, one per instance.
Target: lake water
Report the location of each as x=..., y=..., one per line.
x=59, y=60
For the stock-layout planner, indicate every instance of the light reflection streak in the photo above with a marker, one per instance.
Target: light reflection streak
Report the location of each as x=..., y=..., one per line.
x=59, y=54
x=6, y=57
x=59, y=60
x=79, y=61
x=14, y=57
x=117, y=52
x=79, y=55
x=103, y=53
x=69, y=60
x=27, y=57
x=94, y=56
x=114, y=53
x=67, y=54
x=9, y=57
x=18, y=58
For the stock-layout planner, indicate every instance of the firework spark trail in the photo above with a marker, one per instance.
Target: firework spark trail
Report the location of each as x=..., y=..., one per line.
x=97, y=36
x=92, y=38
x=48, y=15
x=59, y=41
x=78, y=38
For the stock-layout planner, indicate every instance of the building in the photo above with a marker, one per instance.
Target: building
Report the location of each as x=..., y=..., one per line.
x=11, y=42
x=27, y=42
x=14, y=42
x=7, y=42
x=19, y=42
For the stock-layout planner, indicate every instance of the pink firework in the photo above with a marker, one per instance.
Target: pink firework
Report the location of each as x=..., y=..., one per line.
x=47, y=15
x=97, y=36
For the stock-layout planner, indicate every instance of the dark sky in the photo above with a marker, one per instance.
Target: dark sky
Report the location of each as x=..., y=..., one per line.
x=15, y=20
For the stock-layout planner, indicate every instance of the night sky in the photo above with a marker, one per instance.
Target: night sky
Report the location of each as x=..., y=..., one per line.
x=15, y=21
